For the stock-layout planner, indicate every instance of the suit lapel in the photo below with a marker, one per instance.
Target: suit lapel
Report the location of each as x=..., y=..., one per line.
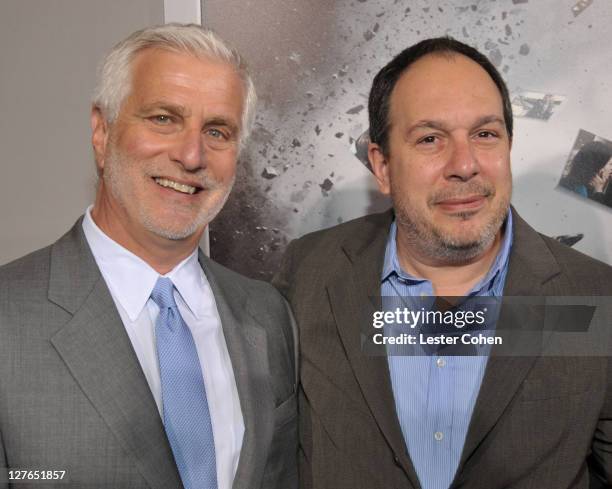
x=99, y=355
x=247, y=345
x=531, y=265
x=352, y=301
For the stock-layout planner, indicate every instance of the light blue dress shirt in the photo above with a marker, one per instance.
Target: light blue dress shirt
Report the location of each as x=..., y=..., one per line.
x=435, y=395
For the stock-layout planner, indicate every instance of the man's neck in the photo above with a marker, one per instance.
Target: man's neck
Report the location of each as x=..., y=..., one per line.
x=160, y=253
x=447, y=279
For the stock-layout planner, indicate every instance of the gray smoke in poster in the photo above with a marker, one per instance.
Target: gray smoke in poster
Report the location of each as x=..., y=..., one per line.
x=314, y=63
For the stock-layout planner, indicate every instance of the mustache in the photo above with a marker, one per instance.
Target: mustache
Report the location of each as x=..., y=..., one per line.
x=201, y=177
x=462, y=190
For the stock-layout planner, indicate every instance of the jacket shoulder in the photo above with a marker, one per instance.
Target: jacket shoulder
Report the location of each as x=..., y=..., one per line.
x=589, y=274
x=24, y=286
x=332, y=237
x=31, y=268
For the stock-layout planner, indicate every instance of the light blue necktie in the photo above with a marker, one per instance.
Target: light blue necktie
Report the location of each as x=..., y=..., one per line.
x=185, y=408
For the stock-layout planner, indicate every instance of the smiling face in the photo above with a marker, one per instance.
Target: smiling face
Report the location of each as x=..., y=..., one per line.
x=168, y=161
x=448, y=165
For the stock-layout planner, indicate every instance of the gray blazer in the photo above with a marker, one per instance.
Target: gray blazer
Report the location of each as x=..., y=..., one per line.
x=73, y=396
x=539, y=422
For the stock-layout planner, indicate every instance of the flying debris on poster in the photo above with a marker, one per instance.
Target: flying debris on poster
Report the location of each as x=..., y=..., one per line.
x=536, y=105
x=360, y=148
x=580, y=6
x=569, y=239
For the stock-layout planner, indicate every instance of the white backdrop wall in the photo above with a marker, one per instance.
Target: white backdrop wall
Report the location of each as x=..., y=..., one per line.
x=49, y=51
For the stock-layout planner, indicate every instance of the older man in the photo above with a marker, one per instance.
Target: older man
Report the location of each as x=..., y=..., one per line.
x=128, y=359
x=441, y=132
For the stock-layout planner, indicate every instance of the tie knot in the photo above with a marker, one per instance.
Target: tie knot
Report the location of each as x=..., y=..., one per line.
x=163, y=293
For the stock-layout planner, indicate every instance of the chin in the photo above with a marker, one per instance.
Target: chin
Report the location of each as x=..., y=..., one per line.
x=173, y=228
x=465, y=234
x=462, y=231
x=462, y=241
x=173, y=233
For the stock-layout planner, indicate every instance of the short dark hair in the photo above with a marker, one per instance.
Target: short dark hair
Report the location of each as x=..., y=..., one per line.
x=386, y=79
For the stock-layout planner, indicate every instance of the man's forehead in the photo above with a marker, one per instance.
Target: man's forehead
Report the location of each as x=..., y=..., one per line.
x=163, y=77
x=443, y=81
x=430, y=66
x=153, y=58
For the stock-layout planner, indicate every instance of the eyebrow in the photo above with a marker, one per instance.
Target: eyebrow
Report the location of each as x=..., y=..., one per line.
x=213, y=120
x=167, y=107
x=433, y=124
x=221, y=121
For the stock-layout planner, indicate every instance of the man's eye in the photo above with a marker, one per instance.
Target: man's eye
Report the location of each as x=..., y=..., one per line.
x=486, y=134
x=216, y=133
x=427, y=140
x=161, y=119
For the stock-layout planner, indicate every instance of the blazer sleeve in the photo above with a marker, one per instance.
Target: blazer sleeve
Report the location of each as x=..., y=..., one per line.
x=3, y=466
x=601, y=454
x=3, y=462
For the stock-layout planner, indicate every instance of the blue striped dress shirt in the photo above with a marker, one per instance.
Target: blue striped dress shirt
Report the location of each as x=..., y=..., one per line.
x=435, y=395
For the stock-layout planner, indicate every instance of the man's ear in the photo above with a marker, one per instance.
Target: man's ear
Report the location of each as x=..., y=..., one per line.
x=99, y=136
x=380, y=167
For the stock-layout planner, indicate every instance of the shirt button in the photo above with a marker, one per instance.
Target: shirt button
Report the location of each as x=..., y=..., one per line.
x=438, y=435
x=440, y=362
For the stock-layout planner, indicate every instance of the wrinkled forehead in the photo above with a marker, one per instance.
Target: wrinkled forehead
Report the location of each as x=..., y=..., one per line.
x=162, y=72
x=149, y=61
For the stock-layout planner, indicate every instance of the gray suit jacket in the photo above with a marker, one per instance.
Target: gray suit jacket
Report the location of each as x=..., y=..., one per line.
x=73, y=396
x=536, y=421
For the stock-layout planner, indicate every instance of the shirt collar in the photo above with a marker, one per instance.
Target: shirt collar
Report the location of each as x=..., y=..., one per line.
x=391, y=265
x=131, y=280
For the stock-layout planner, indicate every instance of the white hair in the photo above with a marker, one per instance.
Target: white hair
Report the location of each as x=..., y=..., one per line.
x=115, y=73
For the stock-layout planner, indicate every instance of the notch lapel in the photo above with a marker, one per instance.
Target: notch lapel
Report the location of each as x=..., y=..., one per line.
x=352, y=297
x=247, y=346
x=531, y=265
x=98, y=353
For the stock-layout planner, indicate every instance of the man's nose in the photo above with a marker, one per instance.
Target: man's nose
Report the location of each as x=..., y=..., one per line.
x=462, y=161
x=188, y=149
